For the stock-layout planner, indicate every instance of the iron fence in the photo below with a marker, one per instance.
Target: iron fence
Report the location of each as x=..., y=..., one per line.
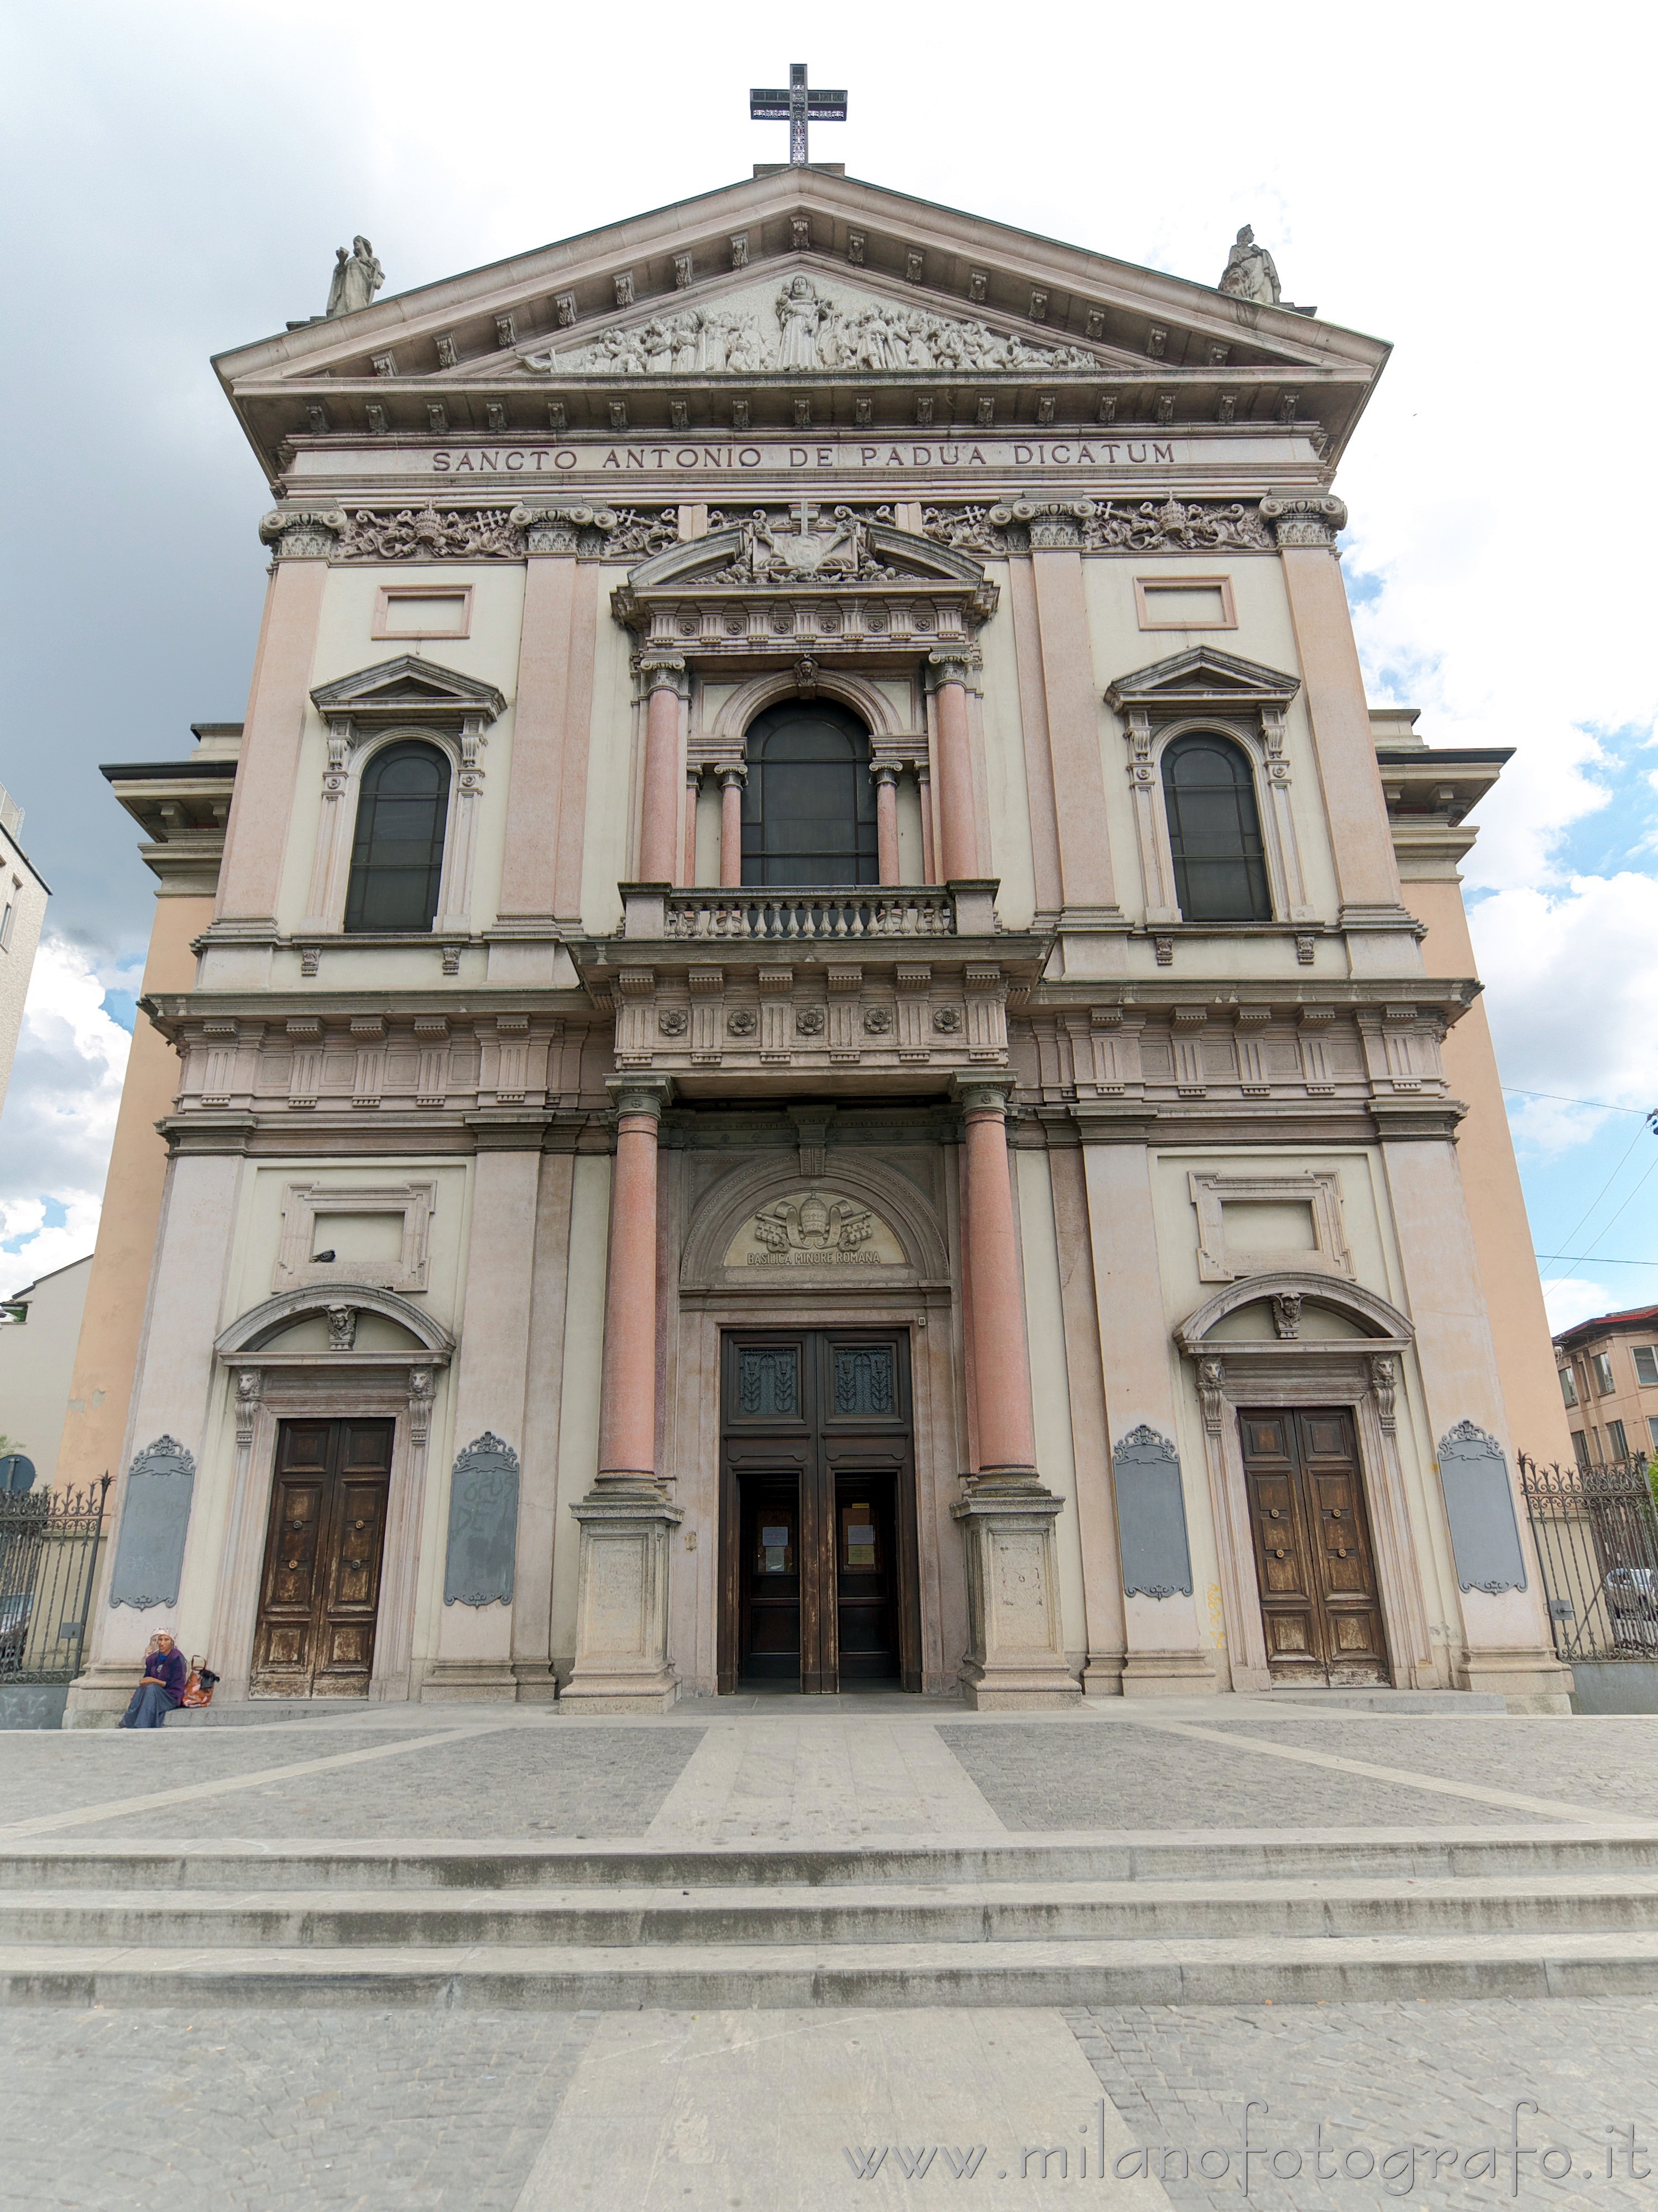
x=49, y=1542
x=1596, y=1530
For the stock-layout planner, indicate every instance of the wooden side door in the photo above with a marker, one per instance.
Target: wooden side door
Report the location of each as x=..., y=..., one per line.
x=1314, y=1565
x=1355, y=1644
x=768, y=1637
x=319, y=1592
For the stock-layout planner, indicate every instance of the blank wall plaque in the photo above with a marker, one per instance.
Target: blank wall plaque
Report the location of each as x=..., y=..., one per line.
x=149, y=1556
x=483, y=1524
x=1156, y=1558
x=1480, y=1504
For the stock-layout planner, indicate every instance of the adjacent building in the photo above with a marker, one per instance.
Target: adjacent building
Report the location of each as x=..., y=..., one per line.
x=39, y=1329
x=1608, y=1371
x=23, y=894
x=812, y=1038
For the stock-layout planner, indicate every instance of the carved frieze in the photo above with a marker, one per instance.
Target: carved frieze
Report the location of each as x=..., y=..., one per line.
x=480, y=533
x=886, y=1012
x=805, y=327
x=1150, y=525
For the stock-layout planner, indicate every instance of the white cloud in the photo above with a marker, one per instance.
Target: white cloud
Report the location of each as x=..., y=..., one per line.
x=1568, y=979
x=59, y=1118
x=1574, y=1298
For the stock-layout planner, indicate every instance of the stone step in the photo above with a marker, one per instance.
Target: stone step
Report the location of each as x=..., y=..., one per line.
x=885, y=1914
x=734, y=1976
x=1542, y=1853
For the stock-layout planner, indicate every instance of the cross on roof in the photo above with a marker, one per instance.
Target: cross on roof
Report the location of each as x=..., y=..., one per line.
x=793, y=107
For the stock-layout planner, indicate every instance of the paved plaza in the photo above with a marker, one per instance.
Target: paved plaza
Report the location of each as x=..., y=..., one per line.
x=244, y=2107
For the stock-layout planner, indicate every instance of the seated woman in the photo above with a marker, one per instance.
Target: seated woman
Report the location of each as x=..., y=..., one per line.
x=163, y=1688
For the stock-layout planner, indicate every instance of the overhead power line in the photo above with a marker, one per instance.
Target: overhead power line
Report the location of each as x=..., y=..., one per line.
x=1600, y=1105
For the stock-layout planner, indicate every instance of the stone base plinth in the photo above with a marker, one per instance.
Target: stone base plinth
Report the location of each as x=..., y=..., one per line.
x=1530, y=1680
x=1102, y=1677
x=1015, y=1654
x=468, y=1682
x=538, y=1685
x=99, y=1697
x=622, y=1600
x=621, y=1693
x=1168, y=1675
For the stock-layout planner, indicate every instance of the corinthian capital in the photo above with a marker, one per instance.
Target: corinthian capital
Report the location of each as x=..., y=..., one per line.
x=946, y=665
x=302, y=533
x=661, y=671
x=1304, y=521
x=558, y=529
x=639, y=1094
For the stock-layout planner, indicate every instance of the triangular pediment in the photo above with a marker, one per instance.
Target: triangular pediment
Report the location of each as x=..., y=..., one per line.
x=936, y=318
x=408, y=685
x=860, y=239
x=1203, y=676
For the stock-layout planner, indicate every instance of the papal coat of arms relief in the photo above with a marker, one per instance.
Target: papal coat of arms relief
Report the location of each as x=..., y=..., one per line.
x=814, y=1228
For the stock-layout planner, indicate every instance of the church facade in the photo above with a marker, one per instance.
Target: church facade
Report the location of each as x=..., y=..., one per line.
x=811, y=1039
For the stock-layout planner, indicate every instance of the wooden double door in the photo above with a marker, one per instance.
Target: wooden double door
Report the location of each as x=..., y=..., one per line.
x=1314, y=1560
x=319, y=1592
x=819, y=1586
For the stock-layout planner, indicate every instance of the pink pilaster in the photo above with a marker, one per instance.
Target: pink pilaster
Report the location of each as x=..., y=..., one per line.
x=267, y=775
x=665, y=767
x=627, y=1420
x=1343, y=745
x=924, y=786
x=957, y=826
x=538, y=733
x=1001, y=1362
x=692, y=786
x=731, y=781
x=886, y=822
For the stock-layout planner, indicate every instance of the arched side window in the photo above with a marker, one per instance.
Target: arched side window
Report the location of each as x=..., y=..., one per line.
x=397, y=859
x=1214, y=831
x=808, y=804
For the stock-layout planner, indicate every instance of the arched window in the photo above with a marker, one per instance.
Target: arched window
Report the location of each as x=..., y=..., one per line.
x=1214, y=831
x=808, y=804
x=397, y=860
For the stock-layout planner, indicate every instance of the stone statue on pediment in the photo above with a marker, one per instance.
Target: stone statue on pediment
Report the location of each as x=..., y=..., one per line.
x=357, y=276
x=799, y=312
x=1250, y=271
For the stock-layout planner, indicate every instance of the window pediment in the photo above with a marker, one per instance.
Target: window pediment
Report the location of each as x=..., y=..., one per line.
x=834, y=575
x=1201, y=678
x=408, y=690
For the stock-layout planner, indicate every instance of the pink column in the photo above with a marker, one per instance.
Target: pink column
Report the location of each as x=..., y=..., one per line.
x=665, y=765
x=627, y=1417
x=1001, y=1364
x=886, y=821
x=692, y=786
x=731, y=781
x=924, y=787
x=960, y=857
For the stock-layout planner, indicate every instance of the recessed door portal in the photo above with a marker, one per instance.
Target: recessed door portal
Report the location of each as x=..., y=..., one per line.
x=819, y=1581
x=320, y=1593
x=1319, y=1602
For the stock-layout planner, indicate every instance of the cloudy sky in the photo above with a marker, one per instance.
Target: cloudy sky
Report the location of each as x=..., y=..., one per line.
x=178, y=177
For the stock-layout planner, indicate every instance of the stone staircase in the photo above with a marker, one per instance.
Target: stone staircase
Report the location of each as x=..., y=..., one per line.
x=1217, y=1919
